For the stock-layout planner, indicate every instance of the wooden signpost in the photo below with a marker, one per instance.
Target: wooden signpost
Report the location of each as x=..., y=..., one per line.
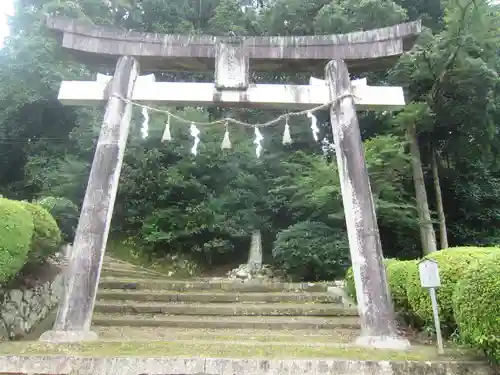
x=429, y=279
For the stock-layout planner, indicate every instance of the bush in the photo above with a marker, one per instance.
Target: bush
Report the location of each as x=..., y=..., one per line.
x=311, y=251
x=397, y=274
x=452, y=264
x=476, y=305
x=65, y=213
x=16, y=231
x=46, y=235
x=350, y=283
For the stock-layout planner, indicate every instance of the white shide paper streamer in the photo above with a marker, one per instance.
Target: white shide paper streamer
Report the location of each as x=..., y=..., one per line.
x=195, y=133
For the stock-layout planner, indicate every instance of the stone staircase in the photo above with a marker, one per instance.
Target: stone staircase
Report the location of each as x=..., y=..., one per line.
x=149, y=324
x=138, y=304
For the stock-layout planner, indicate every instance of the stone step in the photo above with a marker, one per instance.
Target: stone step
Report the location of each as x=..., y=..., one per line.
x=208, y=285
x=191, y=358
x=226, y=322
x=112, y=264
x=129, y=268
x=149, y=334
x=129, y=273
x=126, y=267
x=224, y=309
x=216, y=297
x=119, y=265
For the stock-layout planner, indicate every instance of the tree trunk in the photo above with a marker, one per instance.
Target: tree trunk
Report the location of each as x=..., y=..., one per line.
x=443, y=236
x=427, y=235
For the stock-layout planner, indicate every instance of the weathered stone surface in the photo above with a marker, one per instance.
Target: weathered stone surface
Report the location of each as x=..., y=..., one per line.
x=255, y=253
x=250, y=271
x=85, y=261
x=227, y=322
x=270, y=96
x=378, y=327
x=225, y=309
x=214, y=297
x=16, y=296
x=255, y=286
x=23, y=309
x=223, y=366
x=363, y=50
x=68, y=336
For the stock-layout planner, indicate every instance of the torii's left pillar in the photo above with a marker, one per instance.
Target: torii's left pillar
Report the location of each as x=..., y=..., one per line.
x=74, y=315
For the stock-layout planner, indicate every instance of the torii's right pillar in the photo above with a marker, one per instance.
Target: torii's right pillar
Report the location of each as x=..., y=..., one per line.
x=376, y=310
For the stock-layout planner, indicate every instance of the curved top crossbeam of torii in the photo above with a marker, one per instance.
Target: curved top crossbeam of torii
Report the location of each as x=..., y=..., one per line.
x=362, y=51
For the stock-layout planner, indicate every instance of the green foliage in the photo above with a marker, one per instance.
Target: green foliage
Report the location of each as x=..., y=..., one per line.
x=350, y=284
x=228, y=19
x=16, y=231
x=311, y=251
x=477, y=186
x=476, y=307
x=453, y=263
x=206, y=207
x=176, y=265
x=397, y=274
x=46, y=234
x=65, y=214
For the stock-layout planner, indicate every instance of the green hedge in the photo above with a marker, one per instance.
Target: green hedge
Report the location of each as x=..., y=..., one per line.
x=476, y=304
x=46, y=235
x=397, y=274
x=16, y=231
x=453, y=263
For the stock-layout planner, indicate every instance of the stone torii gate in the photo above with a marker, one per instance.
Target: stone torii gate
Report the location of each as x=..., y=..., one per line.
x=231, y=58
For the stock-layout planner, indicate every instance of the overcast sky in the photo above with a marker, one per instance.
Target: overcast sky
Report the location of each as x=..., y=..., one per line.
x=5, y=9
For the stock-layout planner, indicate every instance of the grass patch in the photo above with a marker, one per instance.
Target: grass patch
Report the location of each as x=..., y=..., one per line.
x=227, y=350
x=133, y=254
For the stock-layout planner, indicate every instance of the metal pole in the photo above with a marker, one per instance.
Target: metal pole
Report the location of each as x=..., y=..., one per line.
x=437, y=323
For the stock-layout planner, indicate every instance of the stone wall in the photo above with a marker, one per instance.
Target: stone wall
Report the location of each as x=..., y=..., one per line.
x=23, y=307
x=122, y=365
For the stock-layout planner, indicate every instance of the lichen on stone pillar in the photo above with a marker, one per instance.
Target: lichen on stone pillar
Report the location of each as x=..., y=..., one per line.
x=255, y=253
x=378, y=326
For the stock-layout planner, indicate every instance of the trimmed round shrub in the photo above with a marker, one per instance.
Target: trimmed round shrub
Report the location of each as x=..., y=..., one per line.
x=452, y=264
x=397, y=274
x=312, y=251
x=476, y=304
x=65, y=213
x=46, y=235
x=350, y=284
x=16, y=231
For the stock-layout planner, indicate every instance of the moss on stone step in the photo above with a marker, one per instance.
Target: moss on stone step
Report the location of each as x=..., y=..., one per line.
x=130, y=273
x=214, y=309
x=206, y=285
x=229, y=335
x=225, y=350
x=226, y=322
x=216, y=297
